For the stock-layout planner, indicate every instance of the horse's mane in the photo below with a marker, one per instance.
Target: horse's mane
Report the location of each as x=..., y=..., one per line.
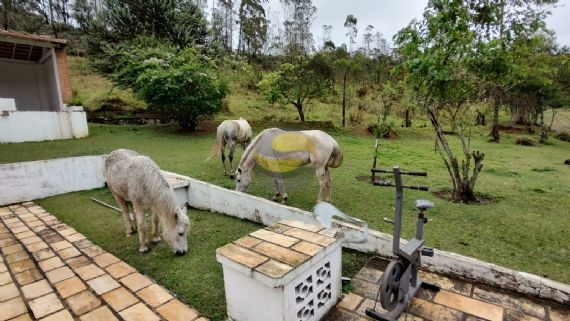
x=161, y=194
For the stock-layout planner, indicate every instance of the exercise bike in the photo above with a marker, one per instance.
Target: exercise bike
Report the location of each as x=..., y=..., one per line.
x=400, y=283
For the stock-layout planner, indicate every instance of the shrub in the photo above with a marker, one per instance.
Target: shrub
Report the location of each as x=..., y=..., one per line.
x=563, y=136
x=179, y=84
x=525, y=141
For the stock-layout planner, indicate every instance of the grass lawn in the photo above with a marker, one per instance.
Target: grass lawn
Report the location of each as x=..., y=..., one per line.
x=524, y=226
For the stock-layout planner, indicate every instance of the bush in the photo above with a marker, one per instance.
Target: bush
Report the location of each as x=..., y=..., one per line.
x=179, y=84
x=384, y=130
x=525, y=141
x=563, y=136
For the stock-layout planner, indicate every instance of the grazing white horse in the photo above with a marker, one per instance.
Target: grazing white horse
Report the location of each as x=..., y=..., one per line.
x=231, y=132
x=137, y=179
x=280, y=152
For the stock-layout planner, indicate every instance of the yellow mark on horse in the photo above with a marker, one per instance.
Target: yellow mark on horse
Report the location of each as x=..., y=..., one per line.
x=288, y=142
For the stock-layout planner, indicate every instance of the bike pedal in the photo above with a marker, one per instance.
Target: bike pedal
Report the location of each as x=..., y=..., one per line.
x=426, y=251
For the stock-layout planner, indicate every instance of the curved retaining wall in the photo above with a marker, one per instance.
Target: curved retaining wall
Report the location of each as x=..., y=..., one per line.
x=21, y=182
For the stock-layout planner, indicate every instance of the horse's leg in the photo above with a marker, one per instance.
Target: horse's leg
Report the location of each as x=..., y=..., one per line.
x=129, y=228
x=280, y=187
x=141, y=224
x=155, y=231
x=223, y=148
x=324, y=177
x=231, y=155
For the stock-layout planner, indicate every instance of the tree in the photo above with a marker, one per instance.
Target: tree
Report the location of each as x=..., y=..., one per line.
x=350, y=24
x=178, y=21
x=83, y=12
x=298, y=39
x=253, y=27
x=437, y=53
x=296, y=85
x=498, y=24
x=181, y=84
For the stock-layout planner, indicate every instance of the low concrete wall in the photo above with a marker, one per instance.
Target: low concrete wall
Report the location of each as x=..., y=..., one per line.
x=206, y=196
x=27, y=126
x=20, y=182
x=27, y=181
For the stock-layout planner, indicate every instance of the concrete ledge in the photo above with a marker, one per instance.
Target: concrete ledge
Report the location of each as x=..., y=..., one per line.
x=214, y=198
x=26, y=126
x=21, y=182
x=32, y=180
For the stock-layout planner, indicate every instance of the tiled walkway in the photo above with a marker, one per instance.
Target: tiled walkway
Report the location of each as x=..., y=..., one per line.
x=50, y=272
x=456, y=301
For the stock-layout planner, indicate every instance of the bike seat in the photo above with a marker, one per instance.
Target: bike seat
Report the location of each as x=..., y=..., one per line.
x=423, y=204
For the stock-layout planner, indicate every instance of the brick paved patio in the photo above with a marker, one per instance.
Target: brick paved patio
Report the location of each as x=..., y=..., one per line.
x=50, y=272
x=456, y=301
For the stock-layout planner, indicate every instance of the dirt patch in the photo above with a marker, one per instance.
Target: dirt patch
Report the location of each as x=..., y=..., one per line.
x=512, y=129
x=482, y=199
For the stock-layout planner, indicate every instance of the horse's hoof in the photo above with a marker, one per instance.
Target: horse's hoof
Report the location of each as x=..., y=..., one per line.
x=143, y=250
x=155, y=241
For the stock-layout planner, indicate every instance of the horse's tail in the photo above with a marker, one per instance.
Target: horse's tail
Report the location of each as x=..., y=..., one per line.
x=335, y=160
x=216, y=148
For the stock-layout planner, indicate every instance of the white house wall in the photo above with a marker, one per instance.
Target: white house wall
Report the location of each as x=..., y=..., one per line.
x=50, y=82
x=25, y=126
x=18, y=80
x=34, y=86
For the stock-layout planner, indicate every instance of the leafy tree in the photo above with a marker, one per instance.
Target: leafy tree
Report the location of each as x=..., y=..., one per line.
x=298, y=39
x=83, y=12
x=498, y=24
x=437, y=51
x=253, y=27
x=179, y=21
x=296, y=85
x=350, y=24
x=181, y=84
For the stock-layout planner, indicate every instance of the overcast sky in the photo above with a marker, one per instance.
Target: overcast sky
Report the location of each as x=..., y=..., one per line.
x=389, y=16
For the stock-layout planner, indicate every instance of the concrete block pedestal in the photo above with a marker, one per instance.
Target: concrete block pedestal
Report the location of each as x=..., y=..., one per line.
x=285, y=272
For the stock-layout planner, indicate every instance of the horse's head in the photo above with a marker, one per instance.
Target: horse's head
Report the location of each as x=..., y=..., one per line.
x=243, y=179
x=177, y=236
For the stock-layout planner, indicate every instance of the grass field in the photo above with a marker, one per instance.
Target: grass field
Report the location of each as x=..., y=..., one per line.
x=524, y=226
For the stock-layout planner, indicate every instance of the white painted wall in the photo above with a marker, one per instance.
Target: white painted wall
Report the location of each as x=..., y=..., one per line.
x=26, y=126
x=33, y=85
x=27, y=181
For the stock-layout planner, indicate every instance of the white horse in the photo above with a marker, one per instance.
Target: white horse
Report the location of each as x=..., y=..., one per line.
x=231, y=132
x=137, y=179
x=280, y=152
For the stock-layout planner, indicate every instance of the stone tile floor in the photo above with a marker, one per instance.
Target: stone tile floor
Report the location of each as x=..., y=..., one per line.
x=50, y=272
x=456, y=301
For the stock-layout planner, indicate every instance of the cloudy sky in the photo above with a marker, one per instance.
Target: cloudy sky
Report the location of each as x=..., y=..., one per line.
x=389, y=16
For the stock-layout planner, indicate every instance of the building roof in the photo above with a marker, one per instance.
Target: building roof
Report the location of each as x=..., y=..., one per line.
x=24, y=46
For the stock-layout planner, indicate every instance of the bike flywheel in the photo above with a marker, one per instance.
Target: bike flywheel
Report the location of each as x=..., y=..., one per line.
x=390, y=285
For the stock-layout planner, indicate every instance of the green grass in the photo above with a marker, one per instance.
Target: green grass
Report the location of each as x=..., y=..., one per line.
x=523, y=227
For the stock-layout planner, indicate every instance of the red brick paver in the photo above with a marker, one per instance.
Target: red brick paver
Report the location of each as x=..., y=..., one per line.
x=455, y=301
x=50, y=272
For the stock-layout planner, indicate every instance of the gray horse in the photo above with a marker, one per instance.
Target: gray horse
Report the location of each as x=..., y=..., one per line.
x=231, y=132
x=137, y=179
